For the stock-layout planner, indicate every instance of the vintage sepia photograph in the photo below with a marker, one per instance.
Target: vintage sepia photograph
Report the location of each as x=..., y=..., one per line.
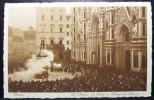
x=77, y=48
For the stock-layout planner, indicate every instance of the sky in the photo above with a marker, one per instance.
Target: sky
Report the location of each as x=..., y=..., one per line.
x=21, y=17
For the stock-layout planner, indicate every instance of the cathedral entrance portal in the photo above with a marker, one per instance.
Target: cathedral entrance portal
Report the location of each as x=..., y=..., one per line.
x=95, y=40
x=123, y=49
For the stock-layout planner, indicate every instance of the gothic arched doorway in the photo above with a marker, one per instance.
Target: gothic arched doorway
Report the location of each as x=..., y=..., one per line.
x=123, y=49
x=124, y=33
x=95, y=41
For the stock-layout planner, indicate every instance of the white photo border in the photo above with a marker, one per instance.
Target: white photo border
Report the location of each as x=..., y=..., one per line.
x=146, y=93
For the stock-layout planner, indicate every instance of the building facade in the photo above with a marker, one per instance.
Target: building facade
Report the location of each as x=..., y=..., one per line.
x=79, y=34
x=53, y=27
x=111, y=36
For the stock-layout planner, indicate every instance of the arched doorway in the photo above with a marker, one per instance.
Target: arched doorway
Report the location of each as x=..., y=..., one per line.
x=95, y=40
x=124, y=33
x=123, y=49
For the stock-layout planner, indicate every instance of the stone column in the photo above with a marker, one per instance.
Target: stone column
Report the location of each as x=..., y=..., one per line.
x=91, y=45
x=110, y=56
x=132, y=64
x=106, y=56
x=101, y=50
x=87, y=51
x=139, y=60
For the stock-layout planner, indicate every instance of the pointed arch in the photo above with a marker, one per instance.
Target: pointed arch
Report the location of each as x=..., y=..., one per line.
x=124, y=33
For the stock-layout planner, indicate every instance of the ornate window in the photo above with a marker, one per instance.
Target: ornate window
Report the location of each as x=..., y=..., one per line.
x=67, y=26
x=74, y=19
x=61, y=29
x=143, y=11
x=60, y=42
x=51, y=41
x=68, y=42
x=51, y=30
x=112, y=19
x=112, y=33
x=61, y=18
x=51, y=18
x=84, y=56
x=84, y=37
x=74, y=38
x=74, y=53
x=84, y=26
x=108, y=57
x=144, y=30
x=67, y=33
x=74, y=29
x=84, y=14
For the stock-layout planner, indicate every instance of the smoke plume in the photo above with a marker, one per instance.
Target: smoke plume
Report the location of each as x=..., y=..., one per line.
x=34, y=66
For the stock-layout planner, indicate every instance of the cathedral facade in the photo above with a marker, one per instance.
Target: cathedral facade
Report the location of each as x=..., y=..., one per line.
x=110, y=36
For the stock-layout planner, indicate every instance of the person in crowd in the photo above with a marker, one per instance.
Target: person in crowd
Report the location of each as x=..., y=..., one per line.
x=92, y=79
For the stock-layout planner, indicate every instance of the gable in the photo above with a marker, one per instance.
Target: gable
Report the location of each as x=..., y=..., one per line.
x=123, y=18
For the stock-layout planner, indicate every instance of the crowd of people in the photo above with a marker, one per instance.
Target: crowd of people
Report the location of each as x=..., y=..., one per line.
x=91, y=79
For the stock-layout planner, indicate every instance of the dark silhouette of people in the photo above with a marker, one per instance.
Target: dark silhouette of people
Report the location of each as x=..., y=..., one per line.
x=92, y=78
